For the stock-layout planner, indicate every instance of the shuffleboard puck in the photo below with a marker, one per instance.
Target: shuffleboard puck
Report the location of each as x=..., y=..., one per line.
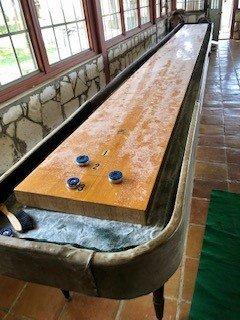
x=73, y=183
x=7, y=232
x=115, y=177
x=82, y=160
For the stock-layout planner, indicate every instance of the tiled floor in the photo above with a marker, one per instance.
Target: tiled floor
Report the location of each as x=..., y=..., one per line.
x=217, y=166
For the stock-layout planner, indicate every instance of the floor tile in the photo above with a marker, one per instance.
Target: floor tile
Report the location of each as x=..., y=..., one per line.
x=184, y=310
x=199, y=211
x=203, y=188
x=211, y=129
x=140, y=308
x=190, y=274
x=90, y=308
x=211, y=154
x=194, y=241
x=234, y=172
x=211, y=140
x=9, y=290
x=211, y=171
x=212, y=119
x=234, y=186
x=233, y=155
x=39, y=302
x=171, y=287
x=233, y=141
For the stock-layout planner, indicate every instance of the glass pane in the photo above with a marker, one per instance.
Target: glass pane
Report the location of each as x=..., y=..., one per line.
x=56, y=12
x=50, y=45
x=109, y=7
x=3, y=28
x=74, y=40
x=144, y=3
x=189, y=6
x=145, y=15
x=157, y=10
x=169, y=6
x=9, y=70
x=180, y=5
x=24, y=53
x=112, y=26
x=43, y=13
x=68, y=10
x=131, y=19
x=78, y=8
x=82, y=29
x=14, y=15
x=62, y=41
x=129, y=4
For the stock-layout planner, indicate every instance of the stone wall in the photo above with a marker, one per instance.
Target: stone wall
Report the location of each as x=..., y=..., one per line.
x=30, y=118
x=126, y=52
x=27, y=121
x=236, y=30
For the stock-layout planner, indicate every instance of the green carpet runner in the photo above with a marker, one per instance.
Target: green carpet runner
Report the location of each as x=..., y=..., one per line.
x=217, y=289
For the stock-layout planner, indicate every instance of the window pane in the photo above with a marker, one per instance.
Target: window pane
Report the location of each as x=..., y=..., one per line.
x=23, y=50
x=3, y=28
x=82, y=30
x=131, y=19
x=17, y=57
x=62, y=42
x=109, y=7
x=66, y=33
x=112, y=26
x=157, y=10
x=72, y=30
x=50, y=45
x=129, y=4
x=144, y=3
x=9, y=70
x=191, y=5
x=145, y=15
x=14, y=15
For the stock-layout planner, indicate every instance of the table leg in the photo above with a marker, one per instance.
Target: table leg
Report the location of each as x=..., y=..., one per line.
x=158, y=301
x=66, y=294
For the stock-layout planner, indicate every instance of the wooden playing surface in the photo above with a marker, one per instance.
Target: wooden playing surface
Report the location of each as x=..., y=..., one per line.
x=129, y=132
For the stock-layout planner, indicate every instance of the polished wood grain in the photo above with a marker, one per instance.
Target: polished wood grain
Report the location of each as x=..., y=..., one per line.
x=129, y=132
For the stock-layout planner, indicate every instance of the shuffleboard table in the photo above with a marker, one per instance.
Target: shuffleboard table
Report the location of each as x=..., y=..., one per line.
x=153, y=118
x=130, y=132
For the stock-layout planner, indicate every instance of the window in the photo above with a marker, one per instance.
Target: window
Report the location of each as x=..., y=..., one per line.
x=63, y=27
x=169, y=6
x=111, y=18
x=164, y=8
x=16, y=53
x=144, y=11
x=158, y=9
x=190, y=5
x=130, y=14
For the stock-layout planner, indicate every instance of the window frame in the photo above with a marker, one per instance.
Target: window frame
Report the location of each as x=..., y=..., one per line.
x=126, y=34
x=45, y=70
x=98, y=45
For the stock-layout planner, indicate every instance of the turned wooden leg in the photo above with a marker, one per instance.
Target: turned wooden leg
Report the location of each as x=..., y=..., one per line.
x=66, y=294
x=158, y=301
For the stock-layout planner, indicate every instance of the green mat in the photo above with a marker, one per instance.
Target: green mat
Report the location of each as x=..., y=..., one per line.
x=217, y=289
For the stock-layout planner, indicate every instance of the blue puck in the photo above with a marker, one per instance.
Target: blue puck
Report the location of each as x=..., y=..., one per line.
x=7, y=232
x=73, y=183
x=82, y=160
x=115, y=176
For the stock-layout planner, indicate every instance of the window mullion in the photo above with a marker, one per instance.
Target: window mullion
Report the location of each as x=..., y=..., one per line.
x=122, y=16
x=35, y=34
x=139, y=13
